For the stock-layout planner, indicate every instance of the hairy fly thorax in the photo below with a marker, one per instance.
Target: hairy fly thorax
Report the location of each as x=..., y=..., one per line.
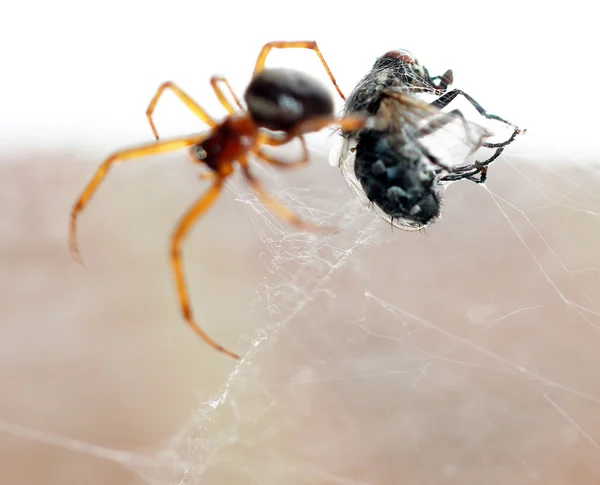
x=394, y=71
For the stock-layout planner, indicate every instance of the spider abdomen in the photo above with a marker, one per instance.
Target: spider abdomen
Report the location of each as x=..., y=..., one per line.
x=280, y=99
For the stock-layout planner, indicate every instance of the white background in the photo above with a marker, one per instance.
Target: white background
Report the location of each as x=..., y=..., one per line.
x=84, y=72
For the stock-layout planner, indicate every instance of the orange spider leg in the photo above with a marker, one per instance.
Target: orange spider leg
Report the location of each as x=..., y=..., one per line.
x=207, y=176
x=349, y=123
x=122, y=156
x=187, y=222
x=311, y=45
x=279, y=163
x=278, y=209
x=189, y=102
x=272, y=139
x=224, y=101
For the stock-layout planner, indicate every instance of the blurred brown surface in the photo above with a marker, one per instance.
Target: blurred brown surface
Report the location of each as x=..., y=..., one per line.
x=99, y=353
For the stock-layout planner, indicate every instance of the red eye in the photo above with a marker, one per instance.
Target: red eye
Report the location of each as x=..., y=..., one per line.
x=403, y=56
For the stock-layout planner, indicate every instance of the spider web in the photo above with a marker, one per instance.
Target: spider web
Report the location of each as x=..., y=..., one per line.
x=463, y=354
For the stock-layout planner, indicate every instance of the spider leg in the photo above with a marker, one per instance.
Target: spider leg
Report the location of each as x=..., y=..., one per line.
x=214, y=82
x=279, y=163
x=311, y=45
x=189, y=102
x=118, y=157
x=274, y=139
x=207, y=176
x=280, y=210
x=189, y=219
x=352, y=122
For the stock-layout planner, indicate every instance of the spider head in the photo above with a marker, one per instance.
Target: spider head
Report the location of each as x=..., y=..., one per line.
x=281, y=99
x=418, y=72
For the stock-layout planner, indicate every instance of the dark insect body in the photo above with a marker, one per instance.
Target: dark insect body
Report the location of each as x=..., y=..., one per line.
x=388, y=159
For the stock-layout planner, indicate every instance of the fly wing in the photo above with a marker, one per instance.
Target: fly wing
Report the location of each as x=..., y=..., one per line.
x=448, y=136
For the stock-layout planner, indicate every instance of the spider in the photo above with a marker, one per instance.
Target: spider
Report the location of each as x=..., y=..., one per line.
x=282, y=105
x=396, y=170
